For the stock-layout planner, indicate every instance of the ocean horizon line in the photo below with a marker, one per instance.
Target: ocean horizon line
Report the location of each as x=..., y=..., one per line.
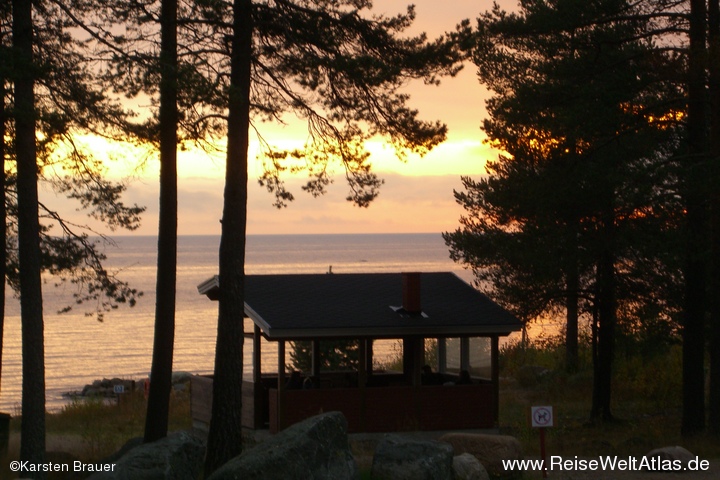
x=277, y=234
x=79, y=349
x=283, y=234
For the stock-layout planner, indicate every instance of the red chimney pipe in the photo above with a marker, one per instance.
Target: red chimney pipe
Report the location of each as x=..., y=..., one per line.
x=411, y=292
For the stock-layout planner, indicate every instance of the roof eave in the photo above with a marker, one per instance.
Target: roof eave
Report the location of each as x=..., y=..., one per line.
x=257, y=319
x=275, y=334
x=210, y=287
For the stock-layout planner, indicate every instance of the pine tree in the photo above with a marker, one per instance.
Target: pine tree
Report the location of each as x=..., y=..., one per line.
x=323, y=62
x=694, y=192
x=341, y=72
x=577, y=98
x=714, y=91
x=156, y=420
x=49, y=96
x=32, y=444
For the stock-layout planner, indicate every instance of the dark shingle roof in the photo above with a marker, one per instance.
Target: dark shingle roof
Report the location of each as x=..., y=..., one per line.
x=359, y=305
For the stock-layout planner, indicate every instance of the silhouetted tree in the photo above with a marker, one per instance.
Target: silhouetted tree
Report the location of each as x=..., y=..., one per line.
x=53, y=98
x=578, y=95
x=225, y=435
x=714, y=178
x=156, y=420
x=4, y=14
x=341, y=72
x=320, y=61
x=694, y=191
x=68, y=102
x=32, y=440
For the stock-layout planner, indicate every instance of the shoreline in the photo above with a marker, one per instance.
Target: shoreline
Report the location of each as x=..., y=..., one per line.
x=105, y=388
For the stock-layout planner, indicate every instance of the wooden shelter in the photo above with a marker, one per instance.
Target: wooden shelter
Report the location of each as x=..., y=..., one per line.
x=368, y=308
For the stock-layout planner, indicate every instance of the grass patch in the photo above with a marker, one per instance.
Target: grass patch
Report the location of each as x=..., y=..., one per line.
x=646, y=403
x=93, y=428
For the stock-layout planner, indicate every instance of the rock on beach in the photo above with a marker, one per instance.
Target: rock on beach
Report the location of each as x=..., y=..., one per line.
x=106, y=387
x=314, y=449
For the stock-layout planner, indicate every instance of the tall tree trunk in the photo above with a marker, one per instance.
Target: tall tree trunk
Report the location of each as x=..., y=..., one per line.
x=693, y=333
x=572, y=284
x=714, y=179
x=225, y=436
x=32, y=444
x=156, y=421
x=571, y=329
x=3, y=210
x=607, y=313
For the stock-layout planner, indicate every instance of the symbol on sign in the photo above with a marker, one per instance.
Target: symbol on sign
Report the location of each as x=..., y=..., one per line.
x=542, y=416
x=119, y=388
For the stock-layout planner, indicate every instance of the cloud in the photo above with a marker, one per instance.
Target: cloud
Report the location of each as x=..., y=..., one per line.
x=417, y=195
x=417, y=203
x=405, y=204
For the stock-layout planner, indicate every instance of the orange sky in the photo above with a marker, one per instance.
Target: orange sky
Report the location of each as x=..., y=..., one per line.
x=417, y=195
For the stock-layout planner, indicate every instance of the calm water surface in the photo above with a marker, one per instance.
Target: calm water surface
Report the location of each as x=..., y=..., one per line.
x=79, y=349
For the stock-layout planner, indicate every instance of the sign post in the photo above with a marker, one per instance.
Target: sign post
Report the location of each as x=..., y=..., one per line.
x=542, y=417
x=118, y=389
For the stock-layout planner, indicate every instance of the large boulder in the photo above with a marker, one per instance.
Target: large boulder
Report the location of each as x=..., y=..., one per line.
x=491, y=450
x=405, y=458
x=129, y=445
x=179, y=456
x=314, y=449
x=467, y=467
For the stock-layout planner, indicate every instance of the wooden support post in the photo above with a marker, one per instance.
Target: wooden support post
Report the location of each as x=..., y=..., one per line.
x=281, y=386
x=362, y=379
x=413, y=354
x=495, y=373
x=362, y=364
x=418, y=361
x=257, y=356
x=316, y=360
x=442, y=355
x=368, y=355
x=465, y=353
x=407, y=356
x=259, y=406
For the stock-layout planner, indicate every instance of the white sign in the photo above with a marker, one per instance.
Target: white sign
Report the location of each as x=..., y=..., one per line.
x=542, y=416
x=119, y=388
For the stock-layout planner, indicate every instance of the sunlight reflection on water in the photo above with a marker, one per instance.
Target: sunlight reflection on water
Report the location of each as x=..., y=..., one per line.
x=79, y=349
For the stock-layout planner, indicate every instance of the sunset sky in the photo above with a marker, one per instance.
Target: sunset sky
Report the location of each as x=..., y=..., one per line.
x=417, y=195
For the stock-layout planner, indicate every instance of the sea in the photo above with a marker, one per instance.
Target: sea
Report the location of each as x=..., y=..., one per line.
x=79, y=349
